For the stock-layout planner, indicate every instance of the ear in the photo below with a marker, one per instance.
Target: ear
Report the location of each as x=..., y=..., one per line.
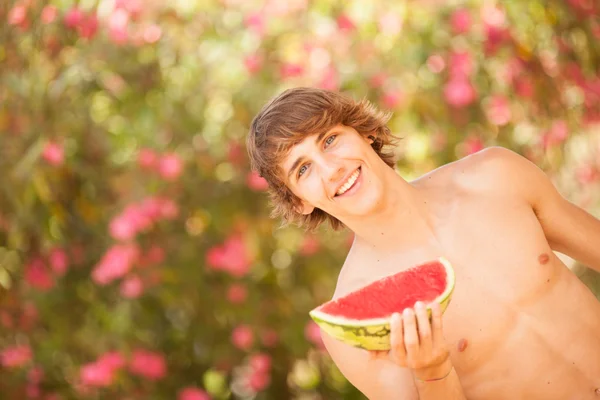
x=305, y=208
x=370, y=139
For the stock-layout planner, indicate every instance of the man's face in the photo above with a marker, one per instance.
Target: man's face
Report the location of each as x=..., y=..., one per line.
x=336, y=172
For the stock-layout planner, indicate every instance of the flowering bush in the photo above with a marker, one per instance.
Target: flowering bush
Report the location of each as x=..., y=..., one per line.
x=137, y=256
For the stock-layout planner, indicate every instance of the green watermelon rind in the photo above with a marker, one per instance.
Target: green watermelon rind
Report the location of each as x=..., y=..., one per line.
x=374, y=334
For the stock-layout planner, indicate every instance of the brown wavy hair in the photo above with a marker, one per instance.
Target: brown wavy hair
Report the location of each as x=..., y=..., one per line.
x=292, y=116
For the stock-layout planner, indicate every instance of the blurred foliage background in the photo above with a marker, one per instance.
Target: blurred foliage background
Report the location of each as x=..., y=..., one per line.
x=137, y=256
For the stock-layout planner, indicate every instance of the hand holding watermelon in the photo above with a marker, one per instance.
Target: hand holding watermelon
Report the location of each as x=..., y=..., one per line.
x=418, y=343
x=362, y=318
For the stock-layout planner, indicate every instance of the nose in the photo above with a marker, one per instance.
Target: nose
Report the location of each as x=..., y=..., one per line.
x=332, y=169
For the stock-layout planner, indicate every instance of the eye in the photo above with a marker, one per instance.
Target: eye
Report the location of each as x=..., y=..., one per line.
x=302, y=170
x=329, y=140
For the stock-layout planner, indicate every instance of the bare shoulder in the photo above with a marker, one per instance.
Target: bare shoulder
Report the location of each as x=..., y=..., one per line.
x=498, y=170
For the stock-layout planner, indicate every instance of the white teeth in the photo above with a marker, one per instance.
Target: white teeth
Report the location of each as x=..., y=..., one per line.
x=348, y=183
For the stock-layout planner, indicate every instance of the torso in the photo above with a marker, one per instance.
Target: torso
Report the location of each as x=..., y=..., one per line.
x=520, y=324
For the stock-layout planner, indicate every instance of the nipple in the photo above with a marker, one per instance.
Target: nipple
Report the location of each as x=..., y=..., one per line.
x=462, y=345
x=543, y=258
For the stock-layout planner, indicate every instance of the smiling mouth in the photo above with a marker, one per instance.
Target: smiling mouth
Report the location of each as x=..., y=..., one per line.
x=349, y=183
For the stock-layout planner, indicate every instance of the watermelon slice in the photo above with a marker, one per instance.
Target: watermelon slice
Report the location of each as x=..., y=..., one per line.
x=362, y=317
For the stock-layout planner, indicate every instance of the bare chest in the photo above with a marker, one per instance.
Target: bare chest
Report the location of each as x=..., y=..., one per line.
x=515, y=307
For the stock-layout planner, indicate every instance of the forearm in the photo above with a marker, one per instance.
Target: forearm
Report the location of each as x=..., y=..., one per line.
x=430, y=386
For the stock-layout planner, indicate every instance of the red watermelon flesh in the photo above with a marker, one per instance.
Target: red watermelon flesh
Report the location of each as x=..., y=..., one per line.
x=391, y=294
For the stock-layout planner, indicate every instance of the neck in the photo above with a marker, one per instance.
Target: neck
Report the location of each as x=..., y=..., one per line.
x=401, y=221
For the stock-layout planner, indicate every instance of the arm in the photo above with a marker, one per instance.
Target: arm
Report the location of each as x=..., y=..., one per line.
x=416, y=368
x=377, y=379
x=568, y=228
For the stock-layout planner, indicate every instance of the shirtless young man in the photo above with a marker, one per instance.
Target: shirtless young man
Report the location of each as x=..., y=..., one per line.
x=520, y=325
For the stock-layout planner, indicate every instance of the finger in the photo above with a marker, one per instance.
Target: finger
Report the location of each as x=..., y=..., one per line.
x=411, y=338
x=398, y=352
x=424, y=327
x=436, y=323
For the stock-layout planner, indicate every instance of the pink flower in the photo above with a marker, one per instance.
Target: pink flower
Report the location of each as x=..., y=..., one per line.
x=6, y=320
x=495, y=38
x=53, y=153
x=59, y=261
x=148, y=364
x=269, y=338
x=460, y=65
x=32, y=391
x=152, y=207
x=253, y=63
x=344, y=23
x=235, y=152
x=259, y=381
x=260, y=362
x=309, y=246
x=524, y=87
x=557, y=134
x=498, y=110
x=390, y=23
x=392, y=98
x=112, y=360
x=378, y=80
x=192, y=393
x=89, y=26
x=15, y=356
x=459, y=93
x=38, y=276
x=133, y=7
x=29, y=316
x=436, y=63
x=49, y=14
x=96, y=374
x=237, y=293
x=460, y=21
x=256, y=22
x=290, y=70
x=492, y=14
x=494, y=21
x=329, y=79
x=152, y=33
x=122, y=228
x=242, y=337
x=147, y=158
x=168, y=209
x=472, y=145
x=18, y=15
x=154, y=255
x=115, y=263
x=35, y=375
x=256, y=182
x=73, y=18
x=232, y=256
x=587, y=174
x=583, y=8
x=170, y=166
x=118, y=23
x=132, y=287
x=312, y=332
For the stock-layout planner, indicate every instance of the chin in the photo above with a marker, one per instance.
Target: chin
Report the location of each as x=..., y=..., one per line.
x=368, y=204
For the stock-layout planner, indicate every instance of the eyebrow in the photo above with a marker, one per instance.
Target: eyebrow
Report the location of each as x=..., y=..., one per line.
x=301, y=159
